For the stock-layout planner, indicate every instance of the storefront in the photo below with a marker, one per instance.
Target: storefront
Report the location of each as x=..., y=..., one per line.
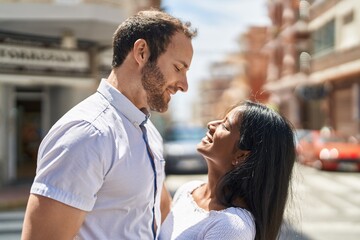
x=52, y=55
x=38, y=84
x=346, y=106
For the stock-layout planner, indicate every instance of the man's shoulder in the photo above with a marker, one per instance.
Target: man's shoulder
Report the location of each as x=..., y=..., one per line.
x=88, y=110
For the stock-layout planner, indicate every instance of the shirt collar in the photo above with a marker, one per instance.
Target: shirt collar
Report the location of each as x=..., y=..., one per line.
x=122, y=103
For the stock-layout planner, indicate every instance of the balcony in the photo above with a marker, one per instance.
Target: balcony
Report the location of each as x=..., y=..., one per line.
x=91, y=20
x=335, y=58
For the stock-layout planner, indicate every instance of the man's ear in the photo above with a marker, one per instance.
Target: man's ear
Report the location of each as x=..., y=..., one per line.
x=240, y=156
x=141, y=52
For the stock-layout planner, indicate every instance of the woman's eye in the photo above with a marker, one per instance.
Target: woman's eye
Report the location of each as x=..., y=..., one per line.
x=177, y=69
x=224, y=126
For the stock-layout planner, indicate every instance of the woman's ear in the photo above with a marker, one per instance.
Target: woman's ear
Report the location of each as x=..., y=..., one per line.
x=141, y=52
x=240, y=156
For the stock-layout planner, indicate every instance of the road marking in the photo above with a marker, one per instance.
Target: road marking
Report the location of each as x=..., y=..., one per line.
x=11, y=215
x=351, y=181
x=325, y=184
x=348, y=227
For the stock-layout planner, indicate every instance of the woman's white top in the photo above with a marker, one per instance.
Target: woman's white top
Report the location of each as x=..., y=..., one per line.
x=187, y=220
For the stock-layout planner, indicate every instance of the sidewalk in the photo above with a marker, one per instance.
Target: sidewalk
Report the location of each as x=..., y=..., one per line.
x=14, y=196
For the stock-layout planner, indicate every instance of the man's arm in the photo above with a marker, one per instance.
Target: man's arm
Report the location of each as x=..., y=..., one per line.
x=165, y=203
x=46, y=218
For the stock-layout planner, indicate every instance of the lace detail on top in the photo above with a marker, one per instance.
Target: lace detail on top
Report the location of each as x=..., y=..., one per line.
x=188, y=221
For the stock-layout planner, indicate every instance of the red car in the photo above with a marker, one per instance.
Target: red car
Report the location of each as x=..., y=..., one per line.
x=329, y=151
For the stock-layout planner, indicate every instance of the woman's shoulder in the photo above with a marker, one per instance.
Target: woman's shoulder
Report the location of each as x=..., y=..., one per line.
x=232, y=222
x=187, y=188
x=235, y=214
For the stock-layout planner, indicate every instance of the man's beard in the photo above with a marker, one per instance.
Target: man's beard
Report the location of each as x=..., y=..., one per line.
x=153, y=82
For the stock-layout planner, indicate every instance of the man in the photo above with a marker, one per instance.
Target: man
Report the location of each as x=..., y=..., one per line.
x=100, y=168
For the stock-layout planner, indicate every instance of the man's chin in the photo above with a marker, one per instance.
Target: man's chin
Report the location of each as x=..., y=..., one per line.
x=160, y=110
x=163, y=110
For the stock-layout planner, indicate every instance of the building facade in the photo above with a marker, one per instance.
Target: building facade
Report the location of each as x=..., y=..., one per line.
x=335, y=64
x=287, y=40
x=240, y=76
x=313, y=74
x=52, y=55
x=211, y=90
x=252, y=44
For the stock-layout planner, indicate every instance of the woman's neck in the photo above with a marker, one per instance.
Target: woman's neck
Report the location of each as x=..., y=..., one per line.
x=205, y=198
x=205, y=195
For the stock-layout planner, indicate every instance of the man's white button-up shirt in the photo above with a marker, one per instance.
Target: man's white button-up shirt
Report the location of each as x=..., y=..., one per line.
x=94, y=158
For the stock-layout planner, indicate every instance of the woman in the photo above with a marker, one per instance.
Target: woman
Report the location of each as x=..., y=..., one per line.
x=250, y=156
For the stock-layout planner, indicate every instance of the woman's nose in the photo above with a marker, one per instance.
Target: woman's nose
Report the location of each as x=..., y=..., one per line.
x=213, y=124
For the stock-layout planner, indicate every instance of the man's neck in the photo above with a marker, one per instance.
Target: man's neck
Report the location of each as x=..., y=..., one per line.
x=130, y=86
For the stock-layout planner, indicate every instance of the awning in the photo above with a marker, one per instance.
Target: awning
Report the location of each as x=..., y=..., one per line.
x=89, y=22
x=31, y=80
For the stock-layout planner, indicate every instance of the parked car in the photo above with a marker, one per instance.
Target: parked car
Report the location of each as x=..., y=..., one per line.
x=180, y=151
x=300, y=133
x=329, y=150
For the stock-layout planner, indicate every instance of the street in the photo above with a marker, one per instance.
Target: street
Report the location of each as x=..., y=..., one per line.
x=11, y=224
x=325, y=206
x=329, y=204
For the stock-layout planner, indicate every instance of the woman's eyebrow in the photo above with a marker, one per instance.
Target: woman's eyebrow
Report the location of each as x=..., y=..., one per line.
x=228, y=122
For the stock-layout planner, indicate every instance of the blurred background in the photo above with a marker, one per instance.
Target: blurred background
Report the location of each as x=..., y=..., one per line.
x=300, y=57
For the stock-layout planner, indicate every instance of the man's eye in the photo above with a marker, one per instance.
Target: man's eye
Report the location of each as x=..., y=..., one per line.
x=224, y=126
x=179, y=68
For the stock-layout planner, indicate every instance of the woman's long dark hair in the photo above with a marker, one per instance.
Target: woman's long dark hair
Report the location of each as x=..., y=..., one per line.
x=262, y=181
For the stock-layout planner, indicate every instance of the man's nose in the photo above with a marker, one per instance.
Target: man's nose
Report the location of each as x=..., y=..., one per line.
x=183, y=84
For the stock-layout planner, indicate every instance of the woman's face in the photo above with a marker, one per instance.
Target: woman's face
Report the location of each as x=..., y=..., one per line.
x=219, y=144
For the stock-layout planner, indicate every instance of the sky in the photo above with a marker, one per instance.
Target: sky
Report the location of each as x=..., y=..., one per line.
x=219, y=24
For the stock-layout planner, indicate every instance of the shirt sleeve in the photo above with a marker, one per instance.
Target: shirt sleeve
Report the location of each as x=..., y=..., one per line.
x=70, y=165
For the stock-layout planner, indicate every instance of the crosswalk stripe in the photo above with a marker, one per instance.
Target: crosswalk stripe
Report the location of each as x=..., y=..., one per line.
x=343, y=202
x=334, y=226
x=11, y=226
x=11, y=215
x=325, y=184
x=350, y=181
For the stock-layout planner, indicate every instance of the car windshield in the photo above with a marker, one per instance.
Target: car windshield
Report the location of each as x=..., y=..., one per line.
x=184, y=133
